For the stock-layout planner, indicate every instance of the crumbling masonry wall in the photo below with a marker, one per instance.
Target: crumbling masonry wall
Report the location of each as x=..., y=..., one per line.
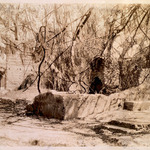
x=17, y=69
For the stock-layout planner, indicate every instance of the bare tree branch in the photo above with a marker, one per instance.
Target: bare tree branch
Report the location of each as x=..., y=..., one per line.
x=140, y=23
x=51, y=12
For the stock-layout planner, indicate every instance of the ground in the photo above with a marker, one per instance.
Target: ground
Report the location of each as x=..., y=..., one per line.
x=17, y=129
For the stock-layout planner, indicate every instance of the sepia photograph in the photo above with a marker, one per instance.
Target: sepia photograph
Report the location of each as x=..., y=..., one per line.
x=74, y=75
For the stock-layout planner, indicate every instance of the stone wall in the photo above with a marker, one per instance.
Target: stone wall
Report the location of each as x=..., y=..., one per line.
x=131, y=70
x=17, y=69
x=95, y=107
x=90, y=106
x=70, y=106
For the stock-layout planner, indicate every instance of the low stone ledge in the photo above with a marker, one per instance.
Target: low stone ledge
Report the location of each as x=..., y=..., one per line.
x=69, y=106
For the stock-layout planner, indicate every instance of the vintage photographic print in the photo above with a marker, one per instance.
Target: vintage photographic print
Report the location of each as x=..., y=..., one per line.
x=74, y=75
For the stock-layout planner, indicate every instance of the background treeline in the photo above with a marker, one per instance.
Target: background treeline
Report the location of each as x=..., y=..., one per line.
x=65, y=39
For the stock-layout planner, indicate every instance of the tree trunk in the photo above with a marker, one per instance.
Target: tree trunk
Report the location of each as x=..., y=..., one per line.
x=39, y=71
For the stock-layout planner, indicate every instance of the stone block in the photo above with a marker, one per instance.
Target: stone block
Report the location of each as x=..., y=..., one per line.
x=48, y=105
x=137, y=105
